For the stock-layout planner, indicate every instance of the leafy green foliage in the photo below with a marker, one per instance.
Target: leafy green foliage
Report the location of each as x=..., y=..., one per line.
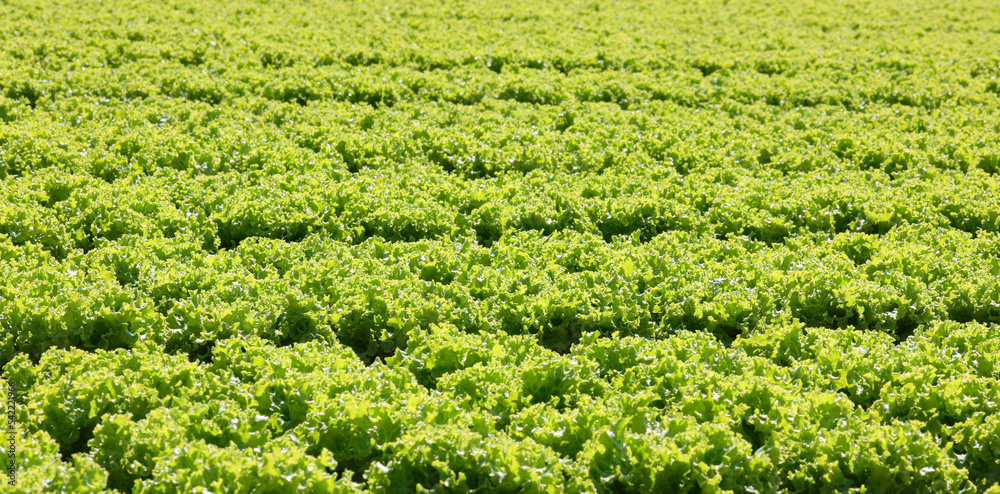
x=501, y=247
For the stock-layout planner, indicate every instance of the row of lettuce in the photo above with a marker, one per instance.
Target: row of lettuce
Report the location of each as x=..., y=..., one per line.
x=786, y=408
x=112, y=138
x=810, y=86
x=66, y=213
x=371, y=295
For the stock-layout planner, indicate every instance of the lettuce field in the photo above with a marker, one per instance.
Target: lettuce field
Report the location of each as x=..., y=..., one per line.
x=519, y=246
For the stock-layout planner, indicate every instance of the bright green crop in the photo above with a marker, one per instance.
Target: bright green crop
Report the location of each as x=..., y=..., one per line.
x=533, y=246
